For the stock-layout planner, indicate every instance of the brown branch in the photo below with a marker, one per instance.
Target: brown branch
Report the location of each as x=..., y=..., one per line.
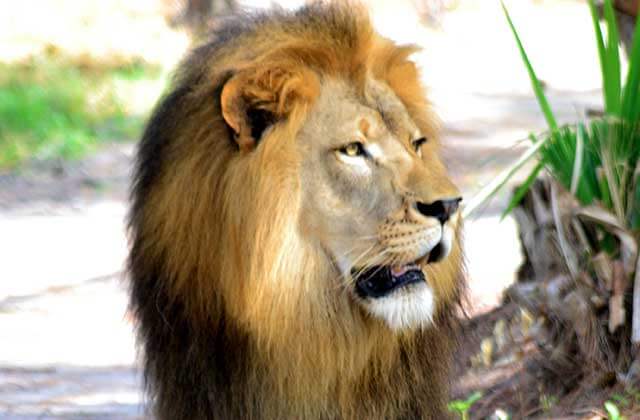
x=629, y=7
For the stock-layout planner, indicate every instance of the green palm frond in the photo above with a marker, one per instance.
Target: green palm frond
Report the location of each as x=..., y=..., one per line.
x=597, y=160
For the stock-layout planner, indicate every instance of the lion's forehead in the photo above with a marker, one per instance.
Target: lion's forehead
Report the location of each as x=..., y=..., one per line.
x=379, y=117
x=386, y=102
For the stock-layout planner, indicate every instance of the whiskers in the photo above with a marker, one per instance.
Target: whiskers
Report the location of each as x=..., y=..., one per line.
x=376, y=254
x=372, y=256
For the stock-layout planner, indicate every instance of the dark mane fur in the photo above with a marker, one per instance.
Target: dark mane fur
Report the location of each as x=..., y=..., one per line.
x=199, y=361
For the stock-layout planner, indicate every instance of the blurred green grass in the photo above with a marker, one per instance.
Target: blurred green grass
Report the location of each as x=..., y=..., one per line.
x=56, y=106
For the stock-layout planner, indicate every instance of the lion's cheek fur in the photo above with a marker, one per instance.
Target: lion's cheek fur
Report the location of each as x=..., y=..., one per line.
x=262, y=276
x=446, y=277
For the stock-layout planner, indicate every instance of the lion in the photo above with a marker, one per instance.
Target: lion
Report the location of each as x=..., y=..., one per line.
x=295, y=238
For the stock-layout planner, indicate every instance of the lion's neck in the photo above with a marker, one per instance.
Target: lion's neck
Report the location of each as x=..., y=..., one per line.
x=343, y=375
x=334, y=369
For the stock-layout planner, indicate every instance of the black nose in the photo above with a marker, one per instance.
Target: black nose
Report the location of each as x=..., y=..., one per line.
x=441, y=209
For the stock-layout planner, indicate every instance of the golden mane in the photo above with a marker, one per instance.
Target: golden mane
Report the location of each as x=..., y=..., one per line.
x=217, y=263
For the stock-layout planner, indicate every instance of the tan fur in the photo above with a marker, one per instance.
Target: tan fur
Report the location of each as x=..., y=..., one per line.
x=228, y=229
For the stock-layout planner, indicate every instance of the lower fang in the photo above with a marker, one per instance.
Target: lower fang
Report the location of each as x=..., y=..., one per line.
x=398, y=270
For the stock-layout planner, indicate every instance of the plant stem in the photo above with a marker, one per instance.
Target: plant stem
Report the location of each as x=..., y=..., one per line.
x=490, y=189
x=635, y=320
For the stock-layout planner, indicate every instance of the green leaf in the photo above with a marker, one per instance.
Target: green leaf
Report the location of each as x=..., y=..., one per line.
x=462, y=406
x=535, y=82
x=612, y=75
x=612, y=411
x=522, y=190
x=631, y=93
x=599, y=39
x=499, y=181
x=577, y=162
x=635, y=210
x=473, y=398
x=605, y=194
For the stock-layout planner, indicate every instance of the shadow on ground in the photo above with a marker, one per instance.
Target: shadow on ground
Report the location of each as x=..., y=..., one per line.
x=70, y=392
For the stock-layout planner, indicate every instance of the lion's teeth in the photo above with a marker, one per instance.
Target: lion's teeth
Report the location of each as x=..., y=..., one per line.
x=398, y=270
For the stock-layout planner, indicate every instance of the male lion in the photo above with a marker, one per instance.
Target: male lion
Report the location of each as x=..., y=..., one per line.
x=294, y=237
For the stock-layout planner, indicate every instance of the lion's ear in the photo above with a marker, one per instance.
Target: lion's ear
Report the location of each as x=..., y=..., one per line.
x=254, y=99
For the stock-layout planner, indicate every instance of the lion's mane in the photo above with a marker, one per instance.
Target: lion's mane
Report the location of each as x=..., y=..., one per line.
x=232, y=319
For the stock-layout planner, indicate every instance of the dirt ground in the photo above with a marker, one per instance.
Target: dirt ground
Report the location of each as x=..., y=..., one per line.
x=67, y=345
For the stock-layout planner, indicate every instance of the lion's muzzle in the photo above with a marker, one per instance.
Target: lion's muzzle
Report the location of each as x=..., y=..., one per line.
x=423, y=236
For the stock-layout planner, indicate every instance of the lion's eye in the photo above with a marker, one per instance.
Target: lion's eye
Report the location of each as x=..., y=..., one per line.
x=353, y=149
x=417, y=144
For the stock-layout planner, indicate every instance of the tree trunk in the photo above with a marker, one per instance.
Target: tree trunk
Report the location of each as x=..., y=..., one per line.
x=196, y=15
x=583, y=293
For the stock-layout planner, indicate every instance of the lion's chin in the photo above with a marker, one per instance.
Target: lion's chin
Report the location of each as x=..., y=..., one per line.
x=409, y=307
x=399, y=295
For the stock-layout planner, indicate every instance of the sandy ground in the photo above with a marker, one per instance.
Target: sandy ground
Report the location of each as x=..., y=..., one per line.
x=67, y=349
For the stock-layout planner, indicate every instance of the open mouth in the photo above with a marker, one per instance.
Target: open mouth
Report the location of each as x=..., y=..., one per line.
x=379, y=281
x=382, y=280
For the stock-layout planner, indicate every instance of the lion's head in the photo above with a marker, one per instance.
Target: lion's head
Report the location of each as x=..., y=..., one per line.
x=291, y=186
x=377, y=199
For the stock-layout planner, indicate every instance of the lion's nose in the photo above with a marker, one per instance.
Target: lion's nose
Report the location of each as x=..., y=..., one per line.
x=441, y=209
